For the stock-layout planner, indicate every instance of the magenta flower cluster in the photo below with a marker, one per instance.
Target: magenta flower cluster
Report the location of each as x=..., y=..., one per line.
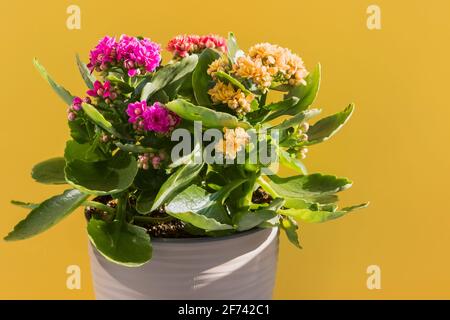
x=75, y=107
x=135, y=55
x=152, y=118
x=102, y=90
x=185, y=45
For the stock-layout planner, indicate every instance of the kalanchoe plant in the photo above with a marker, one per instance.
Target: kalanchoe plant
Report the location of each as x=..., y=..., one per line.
x=118, y=162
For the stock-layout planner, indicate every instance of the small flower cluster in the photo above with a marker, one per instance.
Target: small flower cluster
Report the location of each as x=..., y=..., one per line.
x=234, y=98
x=234, y=140
x=302, y=137
x=135, y=55
x=75, y=107
x=264, y=64
x=155, y=160
x=151, y=118
x=183, y=45
x=103, y=90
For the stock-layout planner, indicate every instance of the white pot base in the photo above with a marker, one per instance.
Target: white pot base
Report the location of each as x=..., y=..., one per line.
x=242, y=266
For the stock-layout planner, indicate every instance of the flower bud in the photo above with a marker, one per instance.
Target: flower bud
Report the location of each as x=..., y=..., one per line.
x=71, y=116
x=304, y=126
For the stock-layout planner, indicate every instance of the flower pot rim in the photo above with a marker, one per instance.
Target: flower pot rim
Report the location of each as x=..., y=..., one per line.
x=210, y=239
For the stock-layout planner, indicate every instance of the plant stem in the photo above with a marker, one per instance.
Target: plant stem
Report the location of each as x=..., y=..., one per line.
x=121, y=208
x=152, y=219
x=99, y=206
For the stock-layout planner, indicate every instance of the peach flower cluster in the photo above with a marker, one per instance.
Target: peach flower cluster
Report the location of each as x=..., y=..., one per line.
x=234, y=98
x=234, y=140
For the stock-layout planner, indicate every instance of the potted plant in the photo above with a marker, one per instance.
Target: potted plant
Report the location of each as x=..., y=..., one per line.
x=176, y=166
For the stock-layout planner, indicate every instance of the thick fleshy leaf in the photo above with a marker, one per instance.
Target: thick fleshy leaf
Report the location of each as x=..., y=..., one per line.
x=47, y=214
x=87, y=76
x=230, y=79
x=246, y=220
x=79, y=130
x=313, y=216
x=99, y=119
x=233, y=48
x=297, y=119
x=290, y=227
x=122, y=243
x=291, y=162
x=201, y=81
x=134, y=148
x=311, y=187
x=273, y=110
x=307, y=93
x=144, y=201
x=196, y=206
x=102, y=177
x=168, y=74
x=176, y=182
x=83, y=151
x=65, y=95
x=25, y=205
x=50, y=171
x=208, y=117
x=325, y=128
x=197, y=200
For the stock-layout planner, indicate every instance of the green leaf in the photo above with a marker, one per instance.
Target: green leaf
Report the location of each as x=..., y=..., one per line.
x=82, y=151
x=246, y=220
x=229, y=79
x=200, y=79
x=290, y=227
x=99, y=119
x=121, y=243
x=65, y=95
x=47, y=214
x=196, y=206
x=307, y=93
x=327, y=127
x=50, y=171
x=233, y=48
x=177, y=181
x=298, y=118
x=102, y=177
x=169, y=74
x=311, y=187
x=291, y=162
x=79, y=130
x=144, y=201
x=88, y=78
x=25, y=205
x=208, y=117
x=134, y=148
x=317, y=216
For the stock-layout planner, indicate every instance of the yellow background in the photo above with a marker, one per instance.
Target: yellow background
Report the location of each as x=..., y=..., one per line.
x=395, y=148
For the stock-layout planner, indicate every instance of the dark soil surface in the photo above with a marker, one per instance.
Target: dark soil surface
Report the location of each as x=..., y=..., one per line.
x=172, y=228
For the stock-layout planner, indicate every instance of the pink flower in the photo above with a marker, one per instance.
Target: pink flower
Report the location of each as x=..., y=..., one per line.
x=133, y=54
x=152, y=118
x=135, y=111
x=102, y=90
x=76, y=104
x=137, y=54
x=184, y=45
x=103, y=54
x=214, y=42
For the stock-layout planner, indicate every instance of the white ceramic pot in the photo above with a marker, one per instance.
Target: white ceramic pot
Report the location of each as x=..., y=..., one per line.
x=240, y=266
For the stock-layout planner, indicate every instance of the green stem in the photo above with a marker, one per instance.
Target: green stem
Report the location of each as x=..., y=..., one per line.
x=121, y=208
x=147, y=219
x=99, y=206
x=263, y=183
